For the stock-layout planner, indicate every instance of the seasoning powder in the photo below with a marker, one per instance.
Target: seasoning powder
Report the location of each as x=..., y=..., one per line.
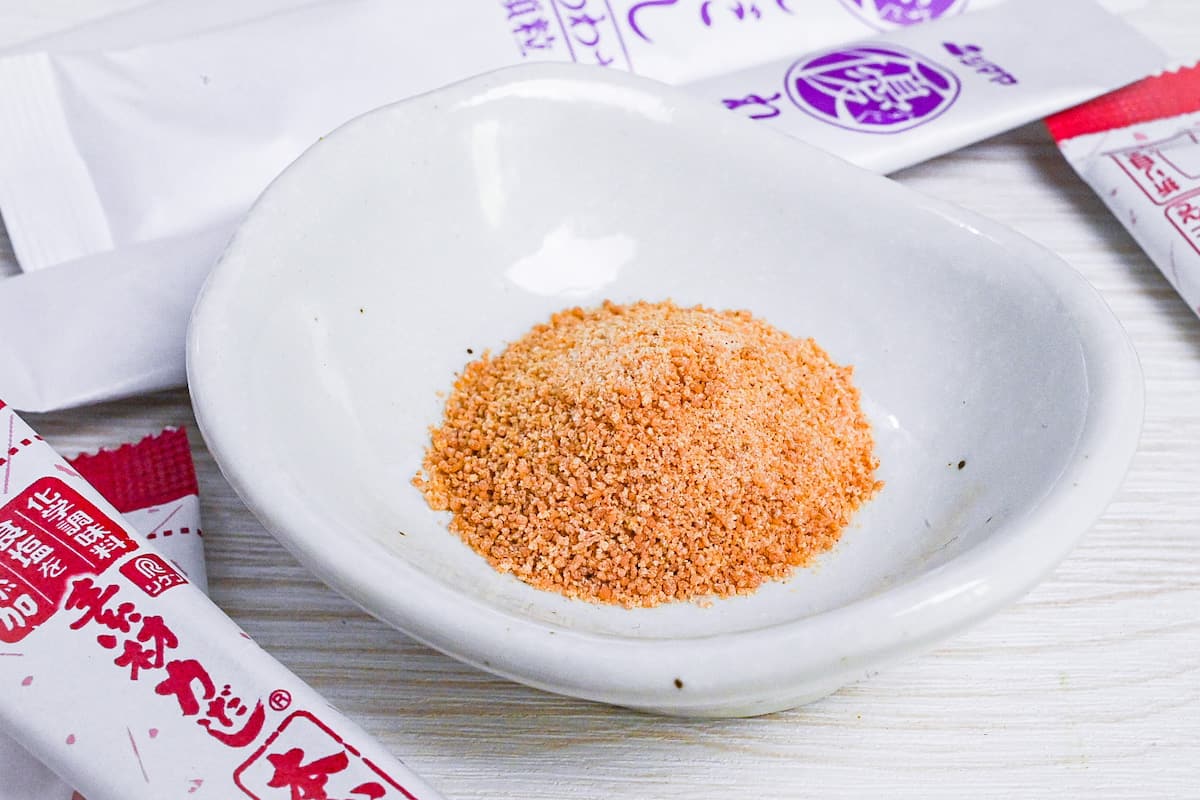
x=647, y=453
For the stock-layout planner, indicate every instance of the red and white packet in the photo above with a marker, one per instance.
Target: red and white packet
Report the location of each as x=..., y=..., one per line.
x=125, y=679
x=1139, y=150
x=153, y=484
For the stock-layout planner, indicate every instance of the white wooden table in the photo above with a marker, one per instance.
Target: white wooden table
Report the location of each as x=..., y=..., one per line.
x=1088, y=687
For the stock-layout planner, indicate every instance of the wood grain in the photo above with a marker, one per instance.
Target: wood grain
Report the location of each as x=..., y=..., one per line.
x=1088, y=687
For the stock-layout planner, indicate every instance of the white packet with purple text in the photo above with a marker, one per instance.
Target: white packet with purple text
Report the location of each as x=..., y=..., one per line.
x=130, y=147
x=106, y=148
x=909, y=95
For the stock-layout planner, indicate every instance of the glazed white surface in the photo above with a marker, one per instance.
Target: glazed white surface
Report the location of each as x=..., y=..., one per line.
x=1005, y=399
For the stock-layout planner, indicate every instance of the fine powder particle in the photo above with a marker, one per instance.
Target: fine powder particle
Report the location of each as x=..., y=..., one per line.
x=647, y=453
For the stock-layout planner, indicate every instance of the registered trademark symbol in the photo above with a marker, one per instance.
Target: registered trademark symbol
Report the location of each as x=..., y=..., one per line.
x=280, y=699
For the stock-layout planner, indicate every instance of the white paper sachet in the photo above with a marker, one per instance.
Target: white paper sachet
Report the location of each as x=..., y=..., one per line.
x=79, y=25
x=128, y=163
x=129, y=683
x=100, y=149
x=1139, y=150
x=907, y=96
x=103, y=326
x=153, y=483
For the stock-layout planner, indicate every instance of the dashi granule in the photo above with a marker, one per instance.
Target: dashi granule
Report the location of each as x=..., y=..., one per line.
x=639, y=454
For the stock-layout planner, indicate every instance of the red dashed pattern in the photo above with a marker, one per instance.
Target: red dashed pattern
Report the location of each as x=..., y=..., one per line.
x=180, y=532
x=16, y=447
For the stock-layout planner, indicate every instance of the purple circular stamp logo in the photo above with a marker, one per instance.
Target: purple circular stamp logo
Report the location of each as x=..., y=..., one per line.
x=871, y=89
x=885, y=14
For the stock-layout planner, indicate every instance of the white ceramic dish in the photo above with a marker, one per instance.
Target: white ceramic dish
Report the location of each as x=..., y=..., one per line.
x=352, y=292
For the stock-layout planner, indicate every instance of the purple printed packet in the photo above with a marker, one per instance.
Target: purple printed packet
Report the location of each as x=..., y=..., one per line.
x=912, y=94
x=130, y=147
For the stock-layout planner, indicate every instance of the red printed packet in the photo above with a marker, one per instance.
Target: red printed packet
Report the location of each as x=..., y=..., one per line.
x=120, y=675
x=153, y=483
x=1139, y=150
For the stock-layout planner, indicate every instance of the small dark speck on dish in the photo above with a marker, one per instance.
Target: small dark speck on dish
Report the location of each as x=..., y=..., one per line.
x=360, y=311
x=402, y=533
x=986, y=521
x=962, y=464
x=678, y=683
x=470, y=352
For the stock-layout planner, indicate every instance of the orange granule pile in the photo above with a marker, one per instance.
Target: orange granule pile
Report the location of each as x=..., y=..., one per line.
x=646, y=453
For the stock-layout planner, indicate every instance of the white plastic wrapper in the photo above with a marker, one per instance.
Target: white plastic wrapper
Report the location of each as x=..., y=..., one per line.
x=902, y=98
x=128, y=148
x=130, y=684
x=103, y=326
x=153, y=484
x=66, y=25
x=1139, y=150
x=103, y=149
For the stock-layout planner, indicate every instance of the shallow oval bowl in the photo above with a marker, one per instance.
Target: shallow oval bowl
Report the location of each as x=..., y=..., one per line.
x=1005, y=398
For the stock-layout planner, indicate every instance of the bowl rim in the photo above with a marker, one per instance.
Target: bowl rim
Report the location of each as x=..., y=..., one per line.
x=728, y=670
